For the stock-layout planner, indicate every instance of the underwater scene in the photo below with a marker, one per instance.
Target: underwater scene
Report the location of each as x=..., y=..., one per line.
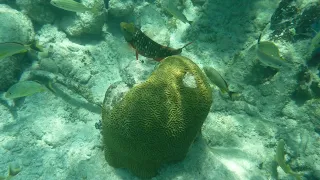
x=160, y=89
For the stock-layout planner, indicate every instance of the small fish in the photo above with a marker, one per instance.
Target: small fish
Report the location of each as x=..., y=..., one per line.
x=11, y=48
x=175, y=12
x=12, y=172
x=215, y=78
x=24, y=88
x=70, y=5
x=315, y=43
x=268, y=54
x=280, y=159
x=145, y=45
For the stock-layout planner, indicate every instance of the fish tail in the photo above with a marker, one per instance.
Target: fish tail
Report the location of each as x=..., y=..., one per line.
x=50, y=87
x=314, y=30
x=35, y=46
x=233, y=95
x=96, y=8
x=13, y=171
x=178, y=51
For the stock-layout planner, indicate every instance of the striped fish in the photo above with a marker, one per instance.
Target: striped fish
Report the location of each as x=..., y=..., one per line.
x=145, y=45
x=215, y=78
x=70, y=5
x=11, y=48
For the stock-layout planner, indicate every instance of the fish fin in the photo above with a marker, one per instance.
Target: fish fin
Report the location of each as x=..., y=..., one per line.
x=50, y=88
x=223, y=91
x=13, y=171
x=131, y=47
x=36, y=46
x=96, y=8
x=137, y=55
x=259, y=38
x=11, y=102
x=233, y=95
x=13, y=43
x=314, y=30
x=158, y=59
x=187, y=44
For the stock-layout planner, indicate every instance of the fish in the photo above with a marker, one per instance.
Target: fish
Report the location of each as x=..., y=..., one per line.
x=315, y=43
x=8, y=49
x=70, y=5
x=24, y=88
x=280, y=159
x=12, y=172
x=144, y=45
x=215, y=78
x=175, y=12
x=268, y=54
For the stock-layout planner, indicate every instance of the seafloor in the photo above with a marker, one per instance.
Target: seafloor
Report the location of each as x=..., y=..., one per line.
x=52, y=136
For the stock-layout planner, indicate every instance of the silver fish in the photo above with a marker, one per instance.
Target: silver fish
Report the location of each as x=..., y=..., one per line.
x=70, y=5
x=24, y=88
x=268, y=54
x=175, y=12
x=214, y=76
x=11, y=48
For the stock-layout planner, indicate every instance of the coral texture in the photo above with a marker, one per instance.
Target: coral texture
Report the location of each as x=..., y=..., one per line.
x=156, y=121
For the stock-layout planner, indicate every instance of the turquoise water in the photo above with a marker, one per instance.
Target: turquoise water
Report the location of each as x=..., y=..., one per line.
x=132, y=101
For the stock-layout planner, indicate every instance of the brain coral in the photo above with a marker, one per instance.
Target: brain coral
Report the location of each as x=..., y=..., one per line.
x=156, y=121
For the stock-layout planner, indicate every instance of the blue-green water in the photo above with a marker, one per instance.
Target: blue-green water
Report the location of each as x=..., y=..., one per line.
x=109, y=101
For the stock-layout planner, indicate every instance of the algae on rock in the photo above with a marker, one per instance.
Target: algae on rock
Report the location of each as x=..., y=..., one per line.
x=15, y=26
x=156, y=121
x=40, y=11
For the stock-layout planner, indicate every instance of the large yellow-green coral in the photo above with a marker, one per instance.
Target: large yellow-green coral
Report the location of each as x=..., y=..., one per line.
x=157, y=121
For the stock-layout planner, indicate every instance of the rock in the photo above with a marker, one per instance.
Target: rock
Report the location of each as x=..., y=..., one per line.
x=120, y=8
x=78, y=24
x=10, y=71
x=14, y=27
x=39, y=11
x=72, y=60
x=287, y=12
